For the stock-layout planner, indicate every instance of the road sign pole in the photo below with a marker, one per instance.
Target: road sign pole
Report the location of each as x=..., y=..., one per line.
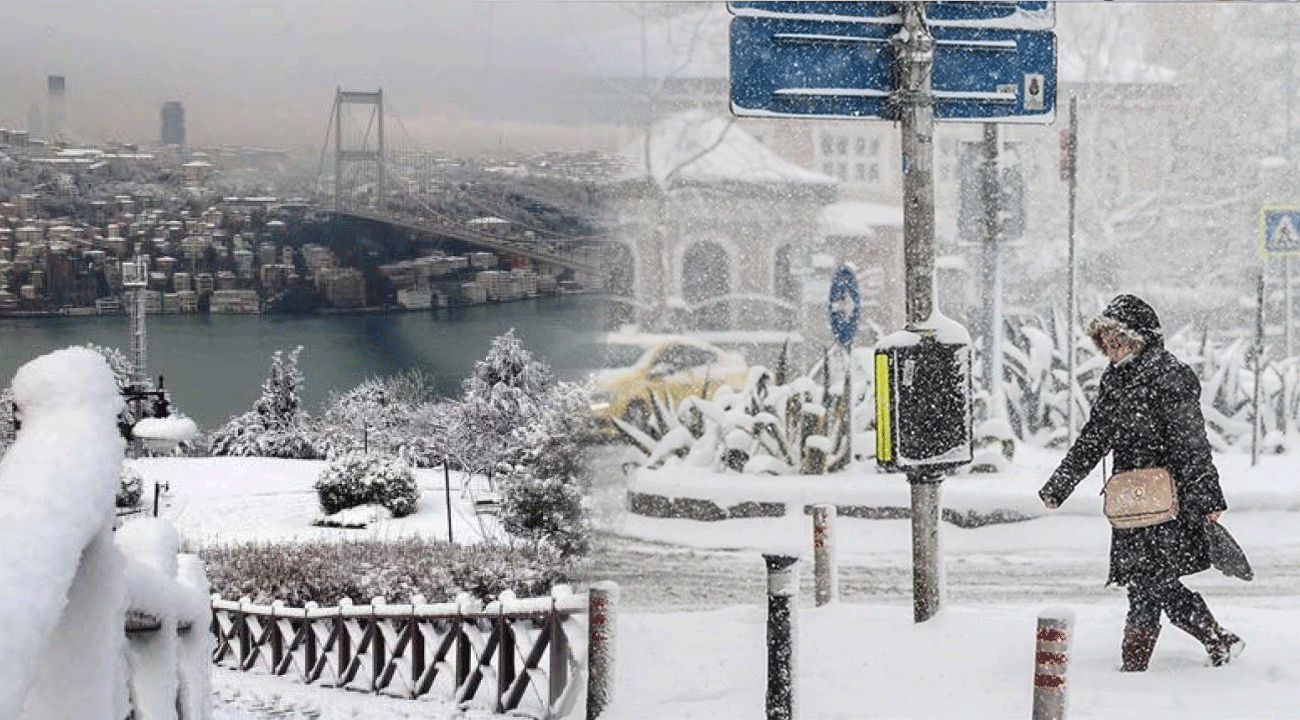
x=1071, y=303
x=990, y=235
x=916, y=115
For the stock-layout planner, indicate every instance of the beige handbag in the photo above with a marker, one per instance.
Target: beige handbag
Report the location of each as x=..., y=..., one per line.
x=1139, y=498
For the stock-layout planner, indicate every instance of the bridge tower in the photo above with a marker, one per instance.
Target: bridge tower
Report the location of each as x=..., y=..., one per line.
x=356, y=162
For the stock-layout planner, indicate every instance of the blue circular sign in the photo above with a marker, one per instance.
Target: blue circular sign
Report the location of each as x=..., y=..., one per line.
x=845, y=305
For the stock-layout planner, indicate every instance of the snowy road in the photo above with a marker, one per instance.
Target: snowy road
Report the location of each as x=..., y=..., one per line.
x=655, y=575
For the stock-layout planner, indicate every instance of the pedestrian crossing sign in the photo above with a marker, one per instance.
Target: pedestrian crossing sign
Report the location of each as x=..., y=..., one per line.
x=1279, y=230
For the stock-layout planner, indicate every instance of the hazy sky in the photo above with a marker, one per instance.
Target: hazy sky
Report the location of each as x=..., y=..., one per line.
x=264, y=72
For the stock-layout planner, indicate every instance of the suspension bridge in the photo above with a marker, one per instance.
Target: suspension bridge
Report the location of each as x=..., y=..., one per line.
x=379, y=176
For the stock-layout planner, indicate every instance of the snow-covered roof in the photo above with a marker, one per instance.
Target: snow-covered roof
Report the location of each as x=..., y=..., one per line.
x=697, y=146
x=853, y=217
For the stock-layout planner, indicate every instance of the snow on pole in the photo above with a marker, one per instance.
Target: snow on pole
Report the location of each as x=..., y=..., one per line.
x=602, y=602
x=782, y=589
x=1051, y=660
x=825, y=571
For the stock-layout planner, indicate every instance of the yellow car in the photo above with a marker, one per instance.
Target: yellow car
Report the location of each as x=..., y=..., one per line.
x=634, y=368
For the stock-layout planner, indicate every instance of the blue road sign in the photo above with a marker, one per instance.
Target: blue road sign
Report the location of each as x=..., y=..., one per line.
x=845, y=305
x=1007, y=14
x=1279, y=230
x=782, y=67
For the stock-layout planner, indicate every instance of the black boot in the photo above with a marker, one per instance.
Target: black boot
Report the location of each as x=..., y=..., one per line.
x=1193, y=616
x=1139, y=642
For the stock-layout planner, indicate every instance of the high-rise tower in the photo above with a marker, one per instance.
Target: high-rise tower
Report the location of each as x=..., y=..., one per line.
x=56, y=86
x=173, y=123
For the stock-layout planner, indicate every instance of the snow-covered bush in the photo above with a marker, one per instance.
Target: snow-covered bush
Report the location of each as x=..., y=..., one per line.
x=771, y=426
x=399, y=415
x=130, y=487
x=547, y=478
x=504, y=392
x=324, y=572
x=360, y=478
x=276, y=426
x=7, y=433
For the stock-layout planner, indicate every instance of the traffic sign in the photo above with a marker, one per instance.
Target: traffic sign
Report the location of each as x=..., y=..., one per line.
x=845, y=304
x=1279, y=230
x=1008, y=14
x=784, y=67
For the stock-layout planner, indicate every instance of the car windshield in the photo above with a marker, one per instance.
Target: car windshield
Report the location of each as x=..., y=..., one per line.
x=600, y=356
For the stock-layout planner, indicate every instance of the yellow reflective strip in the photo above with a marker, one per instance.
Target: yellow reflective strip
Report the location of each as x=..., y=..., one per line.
x=884, y=444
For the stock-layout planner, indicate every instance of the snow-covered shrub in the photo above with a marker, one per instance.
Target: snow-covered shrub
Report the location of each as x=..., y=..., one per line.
x=399, y=415
x=7, y=432
x=772, y=427
x=504, y=392
x=324, y=572
x=130, y=487
x=276, y=426
x=360, y=478
x=547, y=478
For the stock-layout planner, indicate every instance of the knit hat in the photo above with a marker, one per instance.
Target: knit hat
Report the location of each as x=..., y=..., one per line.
x=1129, y=315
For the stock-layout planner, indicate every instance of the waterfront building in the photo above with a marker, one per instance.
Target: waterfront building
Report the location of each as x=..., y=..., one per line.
x=473, y=293
x=182, y=281
x=235, y=302
x=342, y=287
x=204, y=284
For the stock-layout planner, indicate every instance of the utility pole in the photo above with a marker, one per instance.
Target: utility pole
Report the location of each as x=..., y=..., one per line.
x=1071, y=169
x=991, y=271
x=916, y=119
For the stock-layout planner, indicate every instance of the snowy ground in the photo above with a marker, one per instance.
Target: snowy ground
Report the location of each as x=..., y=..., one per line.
x=222, y=500
x=864, y=657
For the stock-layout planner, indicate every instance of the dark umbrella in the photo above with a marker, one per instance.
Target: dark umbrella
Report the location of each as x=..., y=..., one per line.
x=1225, y=554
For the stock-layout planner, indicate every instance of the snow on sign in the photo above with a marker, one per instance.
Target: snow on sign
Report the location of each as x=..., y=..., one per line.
x=1279, y=230
x=1007, y=14
x=804, y=65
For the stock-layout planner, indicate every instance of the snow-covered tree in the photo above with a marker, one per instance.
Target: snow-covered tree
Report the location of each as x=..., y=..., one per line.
x=503, y=393
x=547, y=477
x=277, y=425
x=398, y=415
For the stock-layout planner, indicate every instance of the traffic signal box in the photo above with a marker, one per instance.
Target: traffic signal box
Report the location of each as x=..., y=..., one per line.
x=923, y=409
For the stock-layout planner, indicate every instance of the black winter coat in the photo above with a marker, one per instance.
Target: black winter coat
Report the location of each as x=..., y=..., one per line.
x=1148, y=412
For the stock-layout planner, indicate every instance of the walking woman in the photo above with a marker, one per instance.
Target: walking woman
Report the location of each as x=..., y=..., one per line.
x=1148, y=413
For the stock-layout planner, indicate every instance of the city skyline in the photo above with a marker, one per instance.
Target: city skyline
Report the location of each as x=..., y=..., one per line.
x=461, y=75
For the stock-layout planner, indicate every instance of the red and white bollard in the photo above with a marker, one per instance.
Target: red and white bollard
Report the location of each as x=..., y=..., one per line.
x=825, y=571
x=1051, y=660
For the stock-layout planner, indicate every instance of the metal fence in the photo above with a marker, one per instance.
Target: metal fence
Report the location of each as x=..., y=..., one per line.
x=526, y=656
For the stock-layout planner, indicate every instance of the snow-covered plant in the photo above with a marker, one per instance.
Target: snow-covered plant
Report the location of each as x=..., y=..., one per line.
x=501, y=394
x=277, y=425
x=7, y=432
x=360, y=478
x=326, y=571
x=771, y=427
x=398, y=415
x=130, y=487
x=546, y=478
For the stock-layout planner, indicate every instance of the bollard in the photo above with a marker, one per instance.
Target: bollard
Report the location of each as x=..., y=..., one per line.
x=602, y=601
x=782, y=592
x=1051, y=660
x=826, y=582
